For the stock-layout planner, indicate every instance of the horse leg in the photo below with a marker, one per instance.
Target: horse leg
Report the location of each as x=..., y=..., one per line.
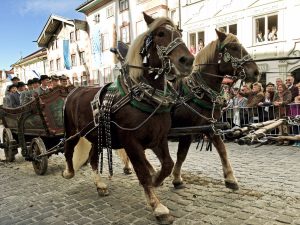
x=94, y=160
x=183, y=148
x=167, y=164
x=123, y=156
x=138, y=160
x=69, y=171
x=230, y=180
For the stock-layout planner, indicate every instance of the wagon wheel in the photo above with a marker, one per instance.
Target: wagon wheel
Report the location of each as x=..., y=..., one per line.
x=38, y=147
x=8, y=142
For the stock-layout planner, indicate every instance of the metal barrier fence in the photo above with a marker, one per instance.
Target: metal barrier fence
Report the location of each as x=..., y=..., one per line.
x=243, y=116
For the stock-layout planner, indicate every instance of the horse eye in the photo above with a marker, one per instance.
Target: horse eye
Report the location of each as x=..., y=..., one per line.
x=161, y=34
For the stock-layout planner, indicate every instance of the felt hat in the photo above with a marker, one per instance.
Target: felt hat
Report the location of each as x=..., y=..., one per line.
x=44, y=77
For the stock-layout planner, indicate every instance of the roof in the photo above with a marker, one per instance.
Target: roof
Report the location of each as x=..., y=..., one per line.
x=50, y=29
x=91, y=5
x=37, y=54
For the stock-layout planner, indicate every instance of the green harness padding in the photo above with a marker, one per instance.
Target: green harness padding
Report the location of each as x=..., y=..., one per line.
x=196, y=100
x=145, y=107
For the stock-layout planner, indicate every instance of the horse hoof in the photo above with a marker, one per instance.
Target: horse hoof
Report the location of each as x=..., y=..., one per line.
x=232, y=186
x=127, y=171
x=165, y=219
x=102, y=192
x=180, y=185
x=67, y=175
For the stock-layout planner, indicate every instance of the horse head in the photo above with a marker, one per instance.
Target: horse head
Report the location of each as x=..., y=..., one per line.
x=226, y=56
x=160, y=51
x=234, y=59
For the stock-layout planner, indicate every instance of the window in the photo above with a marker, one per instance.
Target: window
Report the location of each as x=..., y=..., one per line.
x=51, y=65
x=266, y=28
x=200, y=40
x=73, y=59
x=233, y=29
x=82, y=58
x=72, y=37
x=109, y=11
x=77, y=34
x=125, y=37
x=96, y=76
x=192, y=45
x=140, y=27
x=107, y=75
x=105, y=42
x=123, y=5
x=97, y=18
x=58, y=64
x=229, y=29
x=173, y=15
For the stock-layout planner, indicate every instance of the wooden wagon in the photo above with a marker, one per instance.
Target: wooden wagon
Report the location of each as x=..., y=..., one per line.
x=35, y=127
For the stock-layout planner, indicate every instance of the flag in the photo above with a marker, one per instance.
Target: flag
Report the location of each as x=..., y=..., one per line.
x=66, y=51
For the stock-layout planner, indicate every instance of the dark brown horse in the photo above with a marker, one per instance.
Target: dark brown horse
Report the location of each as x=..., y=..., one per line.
x=161, y=48
x=224, y=56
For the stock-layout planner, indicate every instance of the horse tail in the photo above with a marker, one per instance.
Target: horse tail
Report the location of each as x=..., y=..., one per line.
x=81, y=153
x=83, y=146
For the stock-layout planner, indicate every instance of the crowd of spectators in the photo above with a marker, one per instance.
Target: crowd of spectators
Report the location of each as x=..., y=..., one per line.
x=20, y=93
x=245, y=104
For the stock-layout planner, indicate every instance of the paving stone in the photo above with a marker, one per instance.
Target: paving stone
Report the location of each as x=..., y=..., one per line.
x=268, y=194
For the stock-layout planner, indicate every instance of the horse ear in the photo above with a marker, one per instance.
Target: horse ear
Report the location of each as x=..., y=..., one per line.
x=148, y=19
x=222, y=36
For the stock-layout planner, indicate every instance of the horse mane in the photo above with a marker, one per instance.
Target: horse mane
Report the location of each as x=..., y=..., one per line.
x=133, y=56
x=207, y=54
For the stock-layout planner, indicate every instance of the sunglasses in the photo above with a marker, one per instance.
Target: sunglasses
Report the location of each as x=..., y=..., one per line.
x=287, y=80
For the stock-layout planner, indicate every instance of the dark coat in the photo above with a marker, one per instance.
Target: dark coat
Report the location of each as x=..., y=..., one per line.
x=14, y=100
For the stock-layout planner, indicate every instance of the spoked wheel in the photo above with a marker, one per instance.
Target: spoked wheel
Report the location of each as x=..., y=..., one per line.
x=9, y=143
x=38, y=147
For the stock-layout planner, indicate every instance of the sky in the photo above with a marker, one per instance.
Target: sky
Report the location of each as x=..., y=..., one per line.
x=22, y=21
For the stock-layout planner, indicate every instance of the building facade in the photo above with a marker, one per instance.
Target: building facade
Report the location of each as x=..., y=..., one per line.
x=68, y=48
x=112, y=21
x=32, y=65
x=252, y=21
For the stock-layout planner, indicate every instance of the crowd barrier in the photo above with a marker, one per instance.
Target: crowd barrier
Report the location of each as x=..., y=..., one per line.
x=243, y=116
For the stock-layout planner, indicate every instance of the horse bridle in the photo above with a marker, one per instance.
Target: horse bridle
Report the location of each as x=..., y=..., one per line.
x=236, y=63
x=162, y=52
x=216, y=98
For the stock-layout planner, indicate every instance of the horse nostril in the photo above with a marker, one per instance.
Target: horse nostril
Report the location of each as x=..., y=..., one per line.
x=182, y=60
x=187, y=61
x=190, y=61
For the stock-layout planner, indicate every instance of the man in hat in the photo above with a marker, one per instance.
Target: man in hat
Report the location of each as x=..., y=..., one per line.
x=6, y=100
x=15, y=97
x=26, y=96
x=44, y=81
x=54, y=81
x=15, y=80
x=63, y=80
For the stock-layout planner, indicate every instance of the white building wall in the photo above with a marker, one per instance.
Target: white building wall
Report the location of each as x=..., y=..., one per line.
x=76, y=72
x=210, y=14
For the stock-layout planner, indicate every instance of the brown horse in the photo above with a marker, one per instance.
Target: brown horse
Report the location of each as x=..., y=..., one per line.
x=224, y=56
x=155, y=55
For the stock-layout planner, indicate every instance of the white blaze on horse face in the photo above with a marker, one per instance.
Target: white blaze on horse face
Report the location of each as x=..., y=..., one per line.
x=81, y=153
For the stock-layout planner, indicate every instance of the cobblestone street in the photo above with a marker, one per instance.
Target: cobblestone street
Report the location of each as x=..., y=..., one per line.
x=269, y=178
